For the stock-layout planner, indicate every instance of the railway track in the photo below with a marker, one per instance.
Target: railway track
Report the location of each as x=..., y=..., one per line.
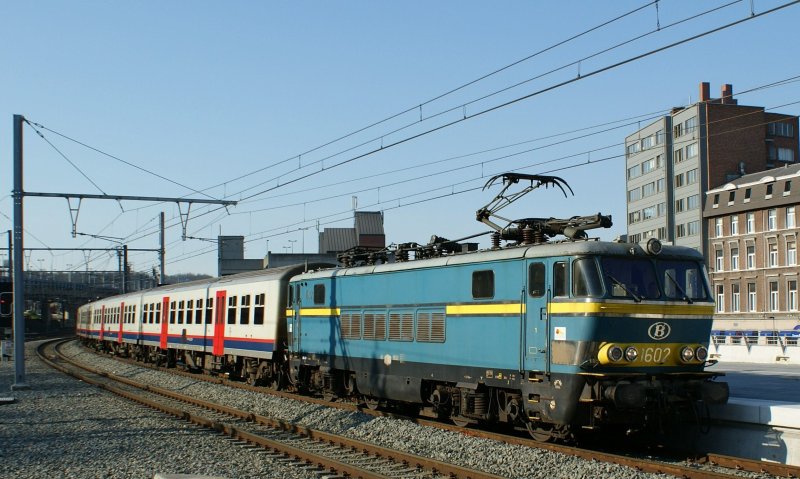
x=708, y=466
x=321, y=452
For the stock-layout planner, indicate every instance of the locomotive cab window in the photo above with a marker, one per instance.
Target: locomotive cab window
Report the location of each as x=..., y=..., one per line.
x=536, y=280
x=319, y=294
x=585, y=278
x=560, y=279
x=483, y=284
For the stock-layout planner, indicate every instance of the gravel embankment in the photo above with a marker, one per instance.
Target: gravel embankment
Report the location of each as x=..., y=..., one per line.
x=65, y=428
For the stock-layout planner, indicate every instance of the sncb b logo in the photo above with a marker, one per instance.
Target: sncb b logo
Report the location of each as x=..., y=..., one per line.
x=658, y=330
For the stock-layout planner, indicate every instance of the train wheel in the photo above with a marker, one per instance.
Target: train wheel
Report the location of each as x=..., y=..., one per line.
x=372, y=403
x=540, y=432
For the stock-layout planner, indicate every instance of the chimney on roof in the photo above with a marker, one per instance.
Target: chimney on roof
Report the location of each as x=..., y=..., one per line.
x=727, y=95
x=705, y=91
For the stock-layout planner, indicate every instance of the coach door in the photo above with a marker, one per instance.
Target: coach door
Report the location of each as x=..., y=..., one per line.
x=219, y=323
x=102, y=322
x=121, y=321
x=293, y=328
x=164, y=322
x=539, y=289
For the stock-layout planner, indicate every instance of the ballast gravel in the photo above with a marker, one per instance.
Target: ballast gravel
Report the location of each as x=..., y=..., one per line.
x=62, y=427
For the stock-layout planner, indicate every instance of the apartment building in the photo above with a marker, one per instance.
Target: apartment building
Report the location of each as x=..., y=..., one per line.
x=753, y=228
x=672, y=163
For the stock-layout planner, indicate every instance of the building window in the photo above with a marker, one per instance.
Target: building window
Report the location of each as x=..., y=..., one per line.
x=659, y=161
x=734, y=225
x=677, y=155
x=747, y=193
x=661, y=209
x=678, y=180
x=659, y=137
x=648, y=165
x=647, y=142
x=751, y=297
x=751, y=257
x=649, y=189
x=769, y=191
x=633, y=217
x=780, y=129
x=690, y=125
x=720, y=299
x=791, y=253
x=772, y=258
x=693, y=228
x=659, y=185
x=750, y=223
x=634, y=194
x=680, y=230
x=734, y=258
x=716, y=200
x=787, y=187
x=772, y=219
x=781, y=154
x=691, y=176
x=632, y=148
x=718, y=227
x=679, y=205
x=693, y=202
x=791, y=295
x=731, y=197
x=691, y=150
x=719, y=260
x=677, y=130
x=790, y=223
x=735, y=302
x=773, y=295
x=634, y=171
x=649, y=212
x=662, y=232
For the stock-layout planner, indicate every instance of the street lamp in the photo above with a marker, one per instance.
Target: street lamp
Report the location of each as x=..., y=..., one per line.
x=293, y=242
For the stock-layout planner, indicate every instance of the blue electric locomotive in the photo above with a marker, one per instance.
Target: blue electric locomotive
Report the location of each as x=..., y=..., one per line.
x=547, y=336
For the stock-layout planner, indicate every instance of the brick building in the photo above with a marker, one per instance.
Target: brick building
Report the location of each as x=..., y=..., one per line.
x=753, y=266
x=674, y=161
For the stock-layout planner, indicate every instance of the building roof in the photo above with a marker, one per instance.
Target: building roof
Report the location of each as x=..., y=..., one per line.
x=790, y=170
x=369, y=223
x=337, y=239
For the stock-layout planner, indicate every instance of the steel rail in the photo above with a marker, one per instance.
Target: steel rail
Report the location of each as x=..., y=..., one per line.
x=408, y=460
x=644, y=465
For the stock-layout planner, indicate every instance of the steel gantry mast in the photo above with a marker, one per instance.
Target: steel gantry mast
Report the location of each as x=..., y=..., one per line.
x=19, y=194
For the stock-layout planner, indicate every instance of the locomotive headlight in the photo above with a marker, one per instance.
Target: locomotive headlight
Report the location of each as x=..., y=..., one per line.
x=631, y=353
x=701, y=353
x=615, y=353
x=687, y=354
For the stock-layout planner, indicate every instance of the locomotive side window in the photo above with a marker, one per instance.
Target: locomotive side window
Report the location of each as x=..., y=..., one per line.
x=560, y=278
x=232, y=310
x=483, y=284
x=319, y=294
x=258, y=312
x=585, y=279
x=536, y=280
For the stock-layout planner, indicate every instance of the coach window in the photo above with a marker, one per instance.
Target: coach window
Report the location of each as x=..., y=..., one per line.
x=232, y=310
x=258, y=311
x=483, y=284
x=189, y=311
x=181, y=306
x=158, y=313
x=536, y=280
x=319, y=294
x=585, y=279
x=172, y=312
x=209, y=310
x=198, y=314
x=560, y=278
x=244, y=310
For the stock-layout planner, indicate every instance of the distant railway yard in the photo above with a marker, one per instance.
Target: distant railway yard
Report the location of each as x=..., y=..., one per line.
x=171, y=422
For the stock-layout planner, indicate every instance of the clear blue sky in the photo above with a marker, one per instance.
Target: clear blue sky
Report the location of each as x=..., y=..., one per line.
x=205, y=92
